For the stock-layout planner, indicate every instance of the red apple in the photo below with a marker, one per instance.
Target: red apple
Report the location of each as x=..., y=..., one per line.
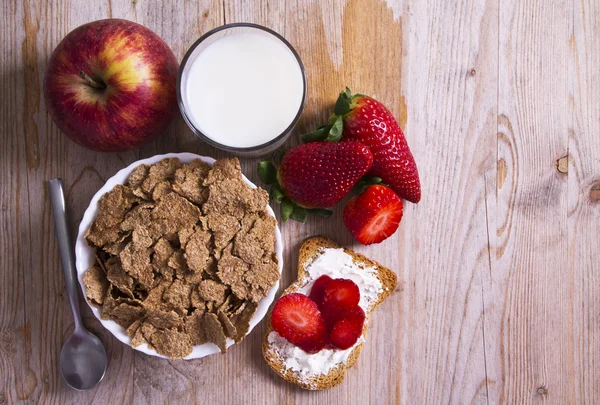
x=110, y=85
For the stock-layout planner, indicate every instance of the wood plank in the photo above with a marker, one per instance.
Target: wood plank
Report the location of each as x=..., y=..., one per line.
x=584, y=202
x=50, y=154
x=529, y=294
x=17, y=379
x=450, y=89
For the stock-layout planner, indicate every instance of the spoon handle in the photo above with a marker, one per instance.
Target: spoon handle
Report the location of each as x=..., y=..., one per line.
x=59, y=211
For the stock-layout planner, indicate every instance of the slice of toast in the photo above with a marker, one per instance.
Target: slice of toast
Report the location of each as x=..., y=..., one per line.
x=311, y=249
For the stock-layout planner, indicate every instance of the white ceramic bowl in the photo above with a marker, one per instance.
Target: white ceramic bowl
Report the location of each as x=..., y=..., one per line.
x=84, y=257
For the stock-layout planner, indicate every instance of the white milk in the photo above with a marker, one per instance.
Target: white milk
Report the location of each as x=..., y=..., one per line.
x=243, y=90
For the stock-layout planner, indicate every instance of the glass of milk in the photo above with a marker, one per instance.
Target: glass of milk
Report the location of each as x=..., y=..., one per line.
x=242, y=88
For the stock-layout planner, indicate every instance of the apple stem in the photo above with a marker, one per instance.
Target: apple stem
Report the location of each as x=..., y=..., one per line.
x=91, y=82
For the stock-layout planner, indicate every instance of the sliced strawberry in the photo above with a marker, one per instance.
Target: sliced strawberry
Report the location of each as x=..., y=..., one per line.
x=373, y=215
x=318, y=289
x=297, y=318
x=346, y=332
x=314, y=346
x=333, y=314
x=341, y=292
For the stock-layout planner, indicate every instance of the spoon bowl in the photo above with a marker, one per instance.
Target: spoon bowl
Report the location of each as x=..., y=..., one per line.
x=82, y=360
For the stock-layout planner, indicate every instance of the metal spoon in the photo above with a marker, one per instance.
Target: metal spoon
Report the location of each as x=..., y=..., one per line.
x=82, y=358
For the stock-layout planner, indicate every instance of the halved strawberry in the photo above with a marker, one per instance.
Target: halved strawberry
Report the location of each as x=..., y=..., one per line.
x=373, y=215
x=318, y=289
x=297, y=318
x=346, y=332
x=341, y=292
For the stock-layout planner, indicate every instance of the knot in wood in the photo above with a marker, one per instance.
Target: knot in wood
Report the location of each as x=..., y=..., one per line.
x=595, y=192
x=562, y=164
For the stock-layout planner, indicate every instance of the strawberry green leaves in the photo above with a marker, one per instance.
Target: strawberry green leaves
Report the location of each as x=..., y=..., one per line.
x=318, y=134
x=333, y=131
x=287, y=209
x=322, y=212
x=342, y=105
x=327, y=133
x=267, y=172
x=299, y=214
x=268, y=175
x=276, y=194
x=290, y=209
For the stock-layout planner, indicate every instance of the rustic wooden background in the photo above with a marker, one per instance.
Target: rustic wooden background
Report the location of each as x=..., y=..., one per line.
x=499, y=263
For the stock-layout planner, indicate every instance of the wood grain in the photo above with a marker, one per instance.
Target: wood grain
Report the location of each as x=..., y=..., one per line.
x=499, y=293
x=451, y=98
x=583, y=202
x=531, y=290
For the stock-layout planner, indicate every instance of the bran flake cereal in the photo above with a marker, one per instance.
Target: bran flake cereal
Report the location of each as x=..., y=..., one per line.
x=184, y=252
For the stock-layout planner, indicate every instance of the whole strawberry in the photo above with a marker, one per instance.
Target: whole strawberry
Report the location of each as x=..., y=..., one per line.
x=359, y=118
x=373, y=215
x=320, y=174
x=316, y=175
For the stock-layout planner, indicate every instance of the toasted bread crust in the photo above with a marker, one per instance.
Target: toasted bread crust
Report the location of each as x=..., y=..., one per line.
x=309, y=250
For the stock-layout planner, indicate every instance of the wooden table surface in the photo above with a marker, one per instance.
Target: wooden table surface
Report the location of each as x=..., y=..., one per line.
x=499, y=264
